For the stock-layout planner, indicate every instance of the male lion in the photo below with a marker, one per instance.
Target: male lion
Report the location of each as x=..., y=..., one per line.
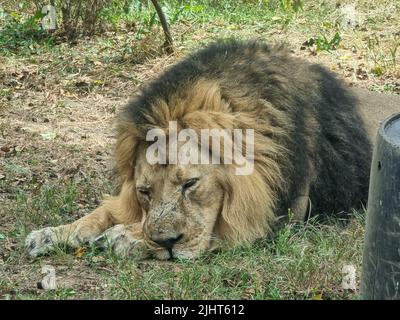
x=311, y=153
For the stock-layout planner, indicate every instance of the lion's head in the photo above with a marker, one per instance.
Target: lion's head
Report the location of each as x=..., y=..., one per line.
x=186, y=209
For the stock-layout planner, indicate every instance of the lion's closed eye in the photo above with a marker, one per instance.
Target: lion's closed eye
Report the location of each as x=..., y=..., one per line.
x=145, y=192
x=188, y=184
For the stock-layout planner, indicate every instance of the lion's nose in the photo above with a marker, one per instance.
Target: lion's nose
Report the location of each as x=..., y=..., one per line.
x=167, y=243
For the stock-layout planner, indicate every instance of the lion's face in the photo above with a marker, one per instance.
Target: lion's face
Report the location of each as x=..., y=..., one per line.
x=180, y=205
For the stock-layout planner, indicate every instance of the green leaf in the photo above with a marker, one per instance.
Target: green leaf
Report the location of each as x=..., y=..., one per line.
x=335, y=40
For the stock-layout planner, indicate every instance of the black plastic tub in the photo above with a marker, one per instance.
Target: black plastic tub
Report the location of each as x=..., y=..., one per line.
x=381, y=260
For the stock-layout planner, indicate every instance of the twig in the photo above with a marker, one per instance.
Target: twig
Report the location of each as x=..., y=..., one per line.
x=168, y=44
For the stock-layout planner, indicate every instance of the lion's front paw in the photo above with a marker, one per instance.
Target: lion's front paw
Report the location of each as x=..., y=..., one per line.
x=40, y=241
x=122, y=242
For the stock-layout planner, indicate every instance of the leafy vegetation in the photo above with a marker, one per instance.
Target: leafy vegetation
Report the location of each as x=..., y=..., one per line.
x=322, y=43
x=19, y=33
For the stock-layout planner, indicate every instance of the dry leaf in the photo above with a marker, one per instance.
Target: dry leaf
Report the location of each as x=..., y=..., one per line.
x=80, y=252
x=345, y=57
x=6, y=148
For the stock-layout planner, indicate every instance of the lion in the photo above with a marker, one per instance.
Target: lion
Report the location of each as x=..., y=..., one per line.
x=311, y=155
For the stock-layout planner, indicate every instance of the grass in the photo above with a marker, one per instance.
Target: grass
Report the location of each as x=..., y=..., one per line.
x=286, y=267
x=58, y=100
x=299, y=262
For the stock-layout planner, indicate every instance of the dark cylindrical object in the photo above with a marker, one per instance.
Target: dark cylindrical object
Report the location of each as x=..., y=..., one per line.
x=381, y=260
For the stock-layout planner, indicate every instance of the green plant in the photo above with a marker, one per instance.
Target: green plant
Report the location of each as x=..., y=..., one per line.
x=21, y=33
x=292, y=5
x=323, y=44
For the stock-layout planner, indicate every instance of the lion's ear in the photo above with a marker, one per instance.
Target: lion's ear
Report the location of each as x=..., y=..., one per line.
x=247, y=212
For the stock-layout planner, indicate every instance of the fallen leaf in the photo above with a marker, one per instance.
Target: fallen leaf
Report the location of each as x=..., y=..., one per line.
x=6, y=148
x=232, y=27
x=98, y=82
x=80, y=252
x=345, y=57
x=317, y=297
